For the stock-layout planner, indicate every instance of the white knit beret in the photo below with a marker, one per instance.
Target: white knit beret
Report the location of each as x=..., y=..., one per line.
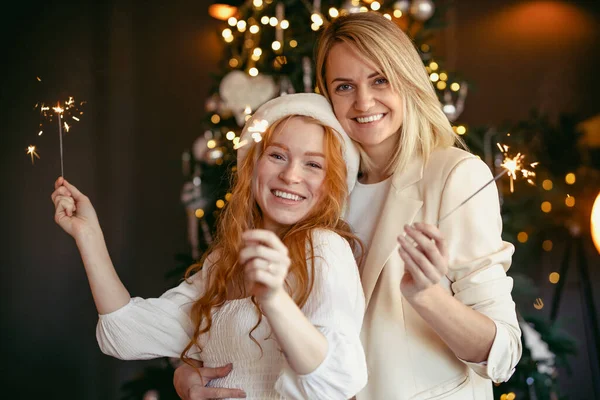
x=305, y=104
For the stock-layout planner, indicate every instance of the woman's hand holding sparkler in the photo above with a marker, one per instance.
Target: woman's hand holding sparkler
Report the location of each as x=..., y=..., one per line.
x=425, y=261
x=76, y=215
x=74, y=212
x=266, y=263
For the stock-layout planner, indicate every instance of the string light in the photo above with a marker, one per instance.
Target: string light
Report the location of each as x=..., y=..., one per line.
x=273, y=21
x=443, y=76
x=254, y=29
x=441, y=85
x=434, y=77
x=433, y=65
x=241, y=25
x=284, y=24
x=215, y=119
x=570, y=178
x=554, y=277
x=397, y=13
x=546, y=206
x=253, y=71
x=375, y=6
x=522, y=237
x=211, y=144
x=220, y=203
x=230, y=135
x=547, y=184
x=547, y=245
x=232, y=21
x=264, y=20
x=570, y=201
x=455, y=87
x=388, y=16
x=293, y=43
x=276, y=45
x=199, y=213
x=333, y=12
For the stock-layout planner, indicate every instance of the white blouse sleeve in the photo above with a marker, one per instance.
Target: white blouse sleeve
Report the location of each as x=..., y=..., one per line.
x=479, y=260
x=151, y=328
x=336, y=308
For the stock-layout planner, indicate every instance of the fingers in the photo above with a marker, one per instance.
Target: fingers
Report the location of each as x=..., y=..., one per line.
x=434, y=234
x=58, y=182
x=197, y=392
x=60, y=191
x=213, y=373
x=423, y=272
x=260, y=251
x=412, y=269
x=265, y=237
x=64, y=205
x=427, y=246
x=77, y=195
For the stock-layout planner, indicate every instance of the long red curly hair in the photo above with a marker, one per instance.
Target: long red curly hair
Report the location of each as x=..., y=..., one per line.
x=226, y=275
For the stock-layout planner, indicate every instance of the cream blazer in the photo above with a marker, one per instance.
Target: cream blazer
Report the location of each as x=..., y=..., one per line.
x=406, y=359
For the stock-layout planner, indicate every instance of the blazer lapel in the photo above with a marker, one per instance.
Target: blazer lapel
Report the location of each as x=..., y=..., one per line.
x=401, y=206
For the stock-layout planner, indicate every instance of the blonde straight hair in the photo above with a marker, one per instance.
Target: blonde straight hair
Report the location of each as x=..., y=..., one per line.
x=383, y=44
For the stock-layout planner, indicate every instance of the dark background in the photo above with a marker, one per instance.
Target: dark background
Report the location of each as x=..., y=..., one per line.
x=144, y=69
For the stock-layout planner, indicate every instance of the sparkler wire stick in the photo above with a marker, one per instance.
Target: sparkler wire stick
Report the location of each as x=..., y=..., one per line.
x=473, y=195
x=62, y=170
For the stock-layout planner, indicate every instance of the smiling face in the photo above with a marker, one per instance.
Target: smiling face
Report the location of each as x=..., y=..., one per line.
x=289, y=175
x=363, y=100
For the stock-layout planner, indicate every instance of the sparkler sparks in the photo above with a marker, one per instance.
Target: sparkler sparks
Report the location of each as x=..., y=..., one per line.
x=31, y=151
x=69, y=109
x=511, y=166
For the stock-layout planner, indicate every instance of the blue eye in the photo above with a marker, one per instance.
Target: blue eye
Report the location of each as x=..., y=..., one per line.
x=344, y=87
x=381, y=81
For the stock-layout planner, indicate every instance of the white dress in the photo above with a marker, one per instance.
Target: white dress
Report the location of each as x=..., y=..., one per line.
x=151, y=328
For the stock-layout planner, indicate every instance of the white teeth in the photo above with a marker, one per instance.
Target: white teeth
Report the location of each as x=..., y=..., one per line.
x=285, y=195
x=370, y=118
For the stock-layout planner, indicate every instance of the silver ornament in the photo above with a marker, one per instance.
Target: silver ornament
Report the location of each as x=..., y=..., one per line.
x=422, y=10
x=402, y=5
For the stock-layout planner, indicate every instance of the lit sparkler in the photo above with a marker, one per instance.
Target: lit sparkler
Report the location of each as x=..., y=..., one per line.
x=70, y=109
x=511, y=165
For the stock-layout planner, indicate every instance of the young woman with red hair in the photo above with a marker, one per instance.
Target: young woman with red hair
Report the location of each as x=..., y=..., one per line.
x=278, y=296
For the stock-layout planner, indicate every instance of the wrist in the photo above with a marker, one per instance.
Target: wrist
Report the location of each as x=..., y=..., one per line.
x=89, y=238
x=426, y=298
x=272, y=303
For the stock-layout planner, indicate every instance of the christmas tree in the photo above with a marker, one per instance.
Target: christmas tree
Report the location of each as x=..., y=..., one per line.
x=268, y=52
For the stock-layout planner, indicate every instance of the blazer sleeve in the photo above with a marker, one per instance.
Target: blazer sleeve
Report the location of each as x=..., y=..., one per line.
x=479, y=260
x=336, y=308
x=151, y=328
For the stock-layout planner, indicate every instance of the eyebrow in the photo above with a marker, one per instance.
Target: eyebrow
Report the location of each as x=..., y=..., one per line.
x=373, y=75
x=308, y=153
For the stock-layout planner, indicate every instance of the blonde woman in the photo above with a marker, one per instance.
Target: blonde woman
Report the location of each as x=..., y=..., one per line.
x=278, y=298
x=440, y=320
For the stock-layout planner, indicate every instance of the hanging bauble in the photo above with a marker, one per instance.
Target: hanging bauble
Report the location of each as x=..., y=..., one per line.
x=402, y=5
x=212, y=103
x=200, y=148
x=239, y=91
x=151, y=395
x=422, y=10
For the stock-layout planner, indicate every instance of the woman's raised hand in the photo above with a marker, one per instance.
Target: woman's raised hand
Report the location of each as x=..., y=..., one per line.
x=425, y=260
x=266, y=263
x=73, y=210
